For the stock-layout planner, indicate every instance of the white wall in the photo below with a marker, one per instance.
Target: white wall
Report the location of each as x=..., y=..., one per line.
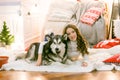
x=9, y=12
x=25, y=27
x=34, y=22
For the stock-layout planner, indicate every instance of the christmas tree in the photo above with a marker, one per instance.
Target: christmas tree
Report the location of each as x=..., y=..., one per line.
x=5, y=37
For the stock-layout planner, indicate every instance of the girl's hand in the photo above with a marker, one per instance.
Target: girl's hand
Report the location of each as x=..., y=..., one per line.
x=84, y=64
x=37, y=64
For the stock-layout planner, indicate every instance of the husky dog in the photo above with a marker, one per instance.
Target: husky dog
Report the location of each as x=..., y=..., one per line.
x=55, y=50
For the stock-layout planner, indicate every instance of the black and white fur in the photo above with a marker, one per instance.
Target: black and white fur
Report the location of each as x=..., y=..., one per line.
x=55, y=50
x=32, y=53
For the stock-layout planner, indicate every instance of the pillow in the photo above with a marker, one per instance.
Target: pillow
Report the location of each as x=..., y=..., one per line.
x=107, y=43
x=61, y=10
x=60, y=15
x=114, y=59
x=91, y=15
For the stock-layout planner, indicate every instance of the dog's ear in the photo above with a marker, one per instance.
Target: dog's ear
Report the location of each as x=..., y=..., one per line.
x=65, y=36
x=51, y=34
x=47, y=37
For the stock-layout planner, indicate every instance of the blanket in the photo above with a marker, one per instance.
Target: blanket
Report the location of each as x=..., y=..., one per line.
x=95, y=63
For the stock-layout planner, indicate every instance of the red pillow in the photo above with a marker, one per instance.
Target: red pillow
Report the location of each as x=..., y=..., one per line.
x=91, y=15
x=107, y=43
x=114, y=59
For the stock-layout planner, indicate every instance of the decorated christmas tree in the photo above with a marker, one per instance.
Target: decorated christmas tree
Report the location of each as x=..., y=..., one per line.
x=5, y=37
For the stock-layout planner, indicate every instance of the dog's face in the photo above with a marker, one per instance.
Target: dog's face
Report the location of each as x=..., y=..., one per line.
x=58, y=45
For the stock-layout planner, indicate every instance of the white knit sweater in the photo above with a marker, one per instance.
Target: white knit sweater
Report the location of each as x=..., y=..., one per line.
x=73, y=53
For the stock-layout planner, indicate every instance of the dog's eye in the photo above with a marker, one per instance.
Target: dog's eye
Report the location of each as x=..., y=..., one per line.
x=59, y=42
x=54, y=43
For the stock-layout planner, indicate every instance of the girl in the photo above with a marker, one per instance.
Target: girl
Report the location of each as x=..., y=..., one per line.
x=77, y=45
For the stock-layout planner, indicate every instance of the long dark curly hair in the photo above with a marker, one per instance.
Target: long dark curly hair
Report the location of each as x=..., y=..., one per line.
x=82, y=44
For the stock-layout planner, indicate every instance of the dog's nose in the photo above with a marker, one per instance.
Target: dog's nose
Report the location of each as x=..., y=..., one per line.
x=56, y=49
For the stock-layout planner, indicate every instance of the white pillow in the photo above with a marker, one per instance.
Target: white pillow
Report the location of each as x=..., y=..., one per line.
x=60, y=14
x=61, y=10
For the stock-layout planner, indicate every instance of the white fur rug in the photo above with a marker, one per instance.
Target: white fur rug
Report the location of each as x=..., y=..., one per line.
x=96, y=58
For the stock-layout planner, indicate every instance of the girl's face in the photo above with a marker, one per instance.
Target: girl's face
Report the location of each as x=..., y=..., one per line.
x=71, y=34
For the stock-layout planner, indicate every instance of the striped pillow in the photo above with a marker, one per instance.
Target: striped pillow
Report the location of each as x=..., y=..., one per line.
x=107, y=43
x=114, y=59
x=91, y=15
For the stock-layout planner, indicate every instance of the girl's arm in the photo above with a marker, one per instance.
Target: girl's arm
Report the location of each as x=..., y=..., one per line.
x=85, y=58
x=39, y=60
x=85, y=61
x=40, y=51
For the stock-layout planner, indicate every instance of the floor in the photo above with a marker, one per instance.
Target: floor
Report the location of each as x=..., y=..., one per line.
x=95, y=75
